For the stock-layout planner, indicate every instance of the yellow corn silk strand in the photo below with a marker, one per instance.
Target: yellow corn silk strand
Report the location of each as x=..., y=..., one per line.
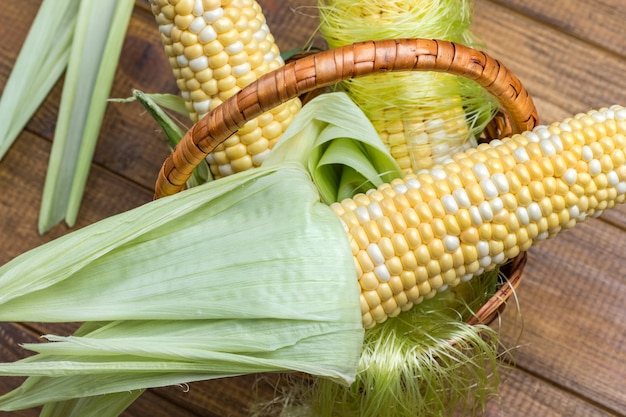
x=215, y=48
x=422, y=118
x=432, y=230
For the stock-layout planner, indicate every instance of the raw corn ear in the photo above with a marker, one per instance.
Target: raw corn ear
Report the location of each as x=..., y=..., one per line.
x=432, y=230
x=215, y=49
x=422, y=117
x=431, y=124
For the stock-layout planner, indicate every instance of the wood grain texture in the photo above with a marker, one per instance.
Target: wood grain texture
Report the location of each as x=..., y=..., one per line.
x=565, y=75
x=571, y=55
x=598, y=22
x=24, y=168
x=524, y=395
x=572, y=304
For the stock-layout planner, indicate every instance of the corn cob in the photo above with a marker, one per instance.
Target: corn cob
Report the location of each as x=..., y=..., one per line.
x=420, y=117
x=215, y=48
x=429, y=231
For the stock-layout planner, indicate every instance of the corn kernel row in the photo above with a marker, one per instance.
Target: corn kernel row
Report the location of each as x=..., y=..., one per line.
x=215, y=48
x=429, y=231
x=418, y=141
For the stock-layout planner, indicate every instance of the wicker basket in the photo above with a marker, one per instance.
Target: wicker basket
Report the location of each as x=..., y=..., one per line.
x=319, y=70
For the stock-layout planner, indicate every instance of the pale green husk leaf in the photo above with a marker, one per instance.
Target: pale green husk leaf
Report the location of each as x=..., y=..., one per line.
x=220, y=280
x=108, y=405
x=330, y=135
x=172, y=130
x=97, y=42
x=47, y=46
x=170, y=102
x=247, y=274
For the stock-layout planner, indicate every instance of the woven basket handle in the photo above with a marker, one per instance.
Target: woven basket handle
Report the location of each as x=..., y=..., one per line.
x=329, y=67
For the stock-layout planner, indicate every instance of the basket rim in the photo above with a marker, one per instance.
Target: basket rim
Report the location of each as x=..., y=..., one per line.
x=329, y=67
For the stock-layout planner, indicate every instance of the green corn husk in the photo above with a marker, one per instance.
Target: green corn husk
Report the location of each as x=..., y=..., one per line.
x=339, y=147
x=47, y=46
x=241, y=275
x=108, y=405
x=158, y=106
x=173, y=132
x=85, y=38
x=97, y=43
x=250, y=273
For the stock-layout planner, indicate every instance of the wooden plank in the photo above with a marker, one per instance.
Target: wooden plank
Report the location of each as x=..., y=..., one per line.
x=572, y=303
x=234, y=396
x=523, y=395
x=554, y=67
x=20, y=15
x=616, y=216
x=292, y=22
x=22, y=174
x=598, y=22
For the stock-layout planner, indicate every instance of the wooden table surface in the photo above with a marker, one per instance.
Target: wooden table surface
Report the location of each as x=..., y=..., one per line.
x=570, y=54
